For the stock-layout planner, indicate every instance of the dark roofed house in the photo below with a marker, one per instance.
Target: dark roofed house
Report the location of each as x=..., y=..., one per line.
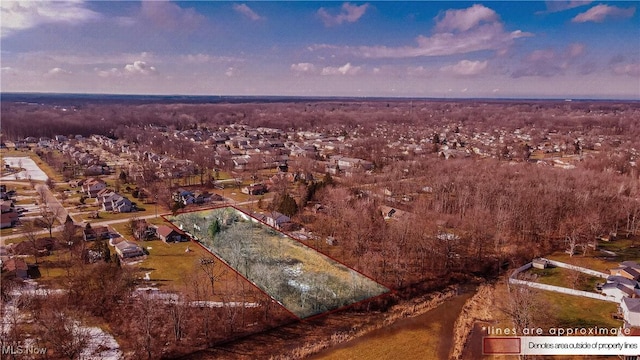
x=8, y=219
x=16, y=266
x=169, y=234
x=254, y=189
x=626, y=271
x=95, y=233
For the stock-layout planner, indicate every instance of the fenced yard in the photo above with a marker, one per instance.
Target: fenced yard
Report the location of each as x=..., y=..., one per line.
x=303, y=280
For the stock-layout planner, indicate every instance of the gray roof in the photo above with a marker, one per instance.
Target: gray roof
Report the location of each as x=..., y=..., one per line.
x=633, y=304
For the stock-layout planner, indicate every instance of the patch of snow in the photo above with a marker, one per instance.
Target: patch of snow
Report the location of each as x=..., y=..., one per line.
x=101, y=346
x=31, y=169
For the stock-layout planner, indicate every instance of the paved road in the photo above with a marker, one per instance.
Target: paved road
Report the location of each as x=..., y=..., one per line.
x=53, y=203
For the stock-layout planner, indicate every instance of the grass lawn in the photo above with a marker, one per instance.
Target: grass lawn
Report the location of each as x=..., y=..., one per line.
x=626, y=249
x=105, y=215
x=26, y=201
x=576, y=311
x=10, y=231
x=589, y=261
x=169, y=263
x=566, y=278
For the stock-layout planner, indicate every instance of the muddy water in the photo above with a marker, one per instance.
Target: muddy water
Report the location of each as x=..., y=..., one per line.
x=428, y=336
x=474, y=342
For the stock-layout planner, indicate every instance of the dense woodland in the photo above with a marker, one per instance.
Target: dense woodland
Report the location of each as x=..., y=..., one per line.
x=468, y=216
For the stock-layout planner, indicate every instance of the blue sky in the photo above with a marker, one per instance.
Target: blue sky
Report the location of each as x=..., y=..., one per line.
x=558, y=49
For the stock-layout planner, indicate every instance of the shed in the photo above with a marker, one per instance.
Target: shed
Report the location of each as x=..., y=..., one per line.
x=540, y=263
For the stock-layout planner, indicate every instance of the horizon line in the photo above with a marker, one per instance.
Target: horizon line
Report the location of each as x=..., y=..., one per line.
x=324, y=97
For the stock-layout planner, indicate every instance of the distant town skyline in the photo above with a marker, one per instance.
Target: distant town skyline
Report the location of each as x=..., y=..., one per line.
x=458, y=49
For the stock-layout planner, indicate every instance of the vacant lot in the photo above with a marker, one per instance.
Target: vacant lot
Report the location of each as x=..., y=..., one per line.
x=303, y=280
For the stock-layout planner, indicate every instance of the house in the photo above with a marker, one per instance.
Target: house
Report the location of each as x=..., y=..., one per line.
x=8, y=219
x=185, y=197
x=630, y=308
x=169, y=234
x=254, y=189
x=628, y=269
x=240, y=163
x=16, y=266
x=95, y=233
x=350, y=163
x=91, y=186
x=118, y=203
x=142, y=230
x=275, y=219
x=127, y=249
x=617, y=290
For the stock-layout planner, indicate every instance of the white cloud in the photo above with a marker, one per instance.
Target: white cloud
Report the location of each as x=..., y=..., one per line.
x=456, y=32
x=8, y=70
x=170, y=16
x=560, y=5
x=600, y=12
x=346, y=69
x=484, y=37
x=417, y=71
x=632, y=69
x=549, y=62
x=348, y=13
x=90, y=59
x=113, y=72
x=231, y=71
x=22, y=15
x=575, y=50
x=303, y=68
x=139, y=68
x=465, y=19
x=205, y=58
x=466, y=68
x=246, y=11
x=57, y=72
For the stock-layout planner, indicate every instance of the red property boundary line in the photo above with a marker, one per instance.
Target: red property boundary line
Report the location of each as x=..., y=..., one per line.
x=296, y=317
x=312, y=317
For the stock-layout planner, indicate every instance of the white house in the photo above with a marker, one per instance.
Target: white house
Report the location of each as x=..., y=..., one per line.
x=92, y=185
x=631, y=311
x=126, y=249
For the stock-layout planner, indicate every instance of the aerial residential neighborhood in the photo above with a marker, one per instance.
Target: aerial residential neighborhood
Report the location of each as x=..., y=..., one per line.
x=444, y=180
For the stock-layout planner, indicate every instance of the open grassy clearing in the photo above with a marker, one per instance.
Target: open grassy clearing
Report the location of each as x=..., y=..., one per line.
x=565, y=278
x=576, y=311
x=625, y=249
x=170, y=264
x=590, y=261
x=304, y=281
